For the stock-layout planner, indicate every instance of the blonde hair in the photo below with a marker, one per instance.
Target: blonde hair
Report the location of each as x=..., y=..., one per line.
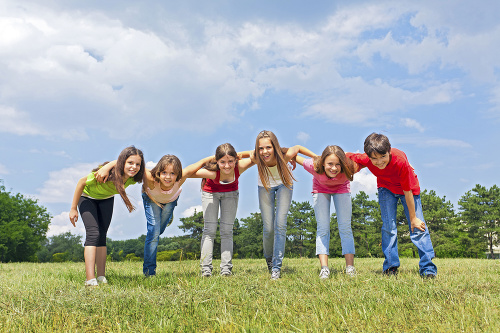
x=347, y=166
x=264, y=173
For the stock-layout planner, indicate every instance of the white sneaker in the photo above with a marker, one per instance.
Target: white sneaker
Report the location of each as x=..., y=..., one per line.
x=275, y=275
x=351, y=271
x=324, y=273
x=91, y=283
x=102, y=280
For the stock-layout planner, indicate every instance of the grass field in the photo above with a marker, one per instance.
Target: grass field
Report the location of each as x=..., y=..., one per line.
x=465, y=297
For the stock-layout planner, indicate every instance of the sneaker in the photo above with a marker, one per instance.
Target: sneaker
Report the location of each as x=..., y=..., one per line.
x=324, y=273
x=429, y=276
x=275, y=275
x=102, y=280
x=206, y=274
x=226, y=273
x=269, y=262
x=91, y=283
x=391, y=271
x=351, y=271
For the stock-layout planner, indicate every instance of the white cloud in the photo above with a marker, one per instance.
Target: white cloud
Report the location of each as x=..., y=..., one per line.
x=61, y=224
x=303, y=137
x=190, y=211
x=61, y=184
x=364, y=181
x=3, y=170
x=17, y=122
x=412, y=123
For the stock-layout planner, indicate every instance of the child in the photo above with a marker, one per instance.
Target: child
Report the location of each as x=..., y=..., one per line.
x=160, y=193
x=275, y=186
x=396, y=180
x=95, y=202
x=332, y=176
x=220, y=189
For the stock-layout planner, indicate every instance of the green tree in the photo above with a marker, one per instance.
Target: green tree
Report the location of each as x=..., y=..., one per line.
x=443, y=225
x=68, y=244
x=249, y=237
x=23, y=226
x=193, y=227
x=301, y=229
x=366, y=225
x=480, y=216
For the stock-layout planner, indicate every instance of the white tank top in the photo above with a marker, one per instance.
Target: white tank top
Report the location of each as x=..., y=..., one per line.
x=274, y=179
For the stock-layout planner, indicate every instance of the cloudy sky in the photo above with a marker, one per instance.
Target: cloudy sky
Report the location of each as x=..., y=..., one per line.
x=79, y=81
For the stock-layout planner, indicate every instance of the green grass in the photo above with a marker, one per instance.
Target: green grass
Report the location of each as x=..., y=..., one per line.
x=465, y=297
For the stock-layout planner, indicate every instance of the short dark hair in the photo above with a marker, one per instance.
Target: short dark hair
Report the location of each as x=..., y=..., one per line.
x=377, y=143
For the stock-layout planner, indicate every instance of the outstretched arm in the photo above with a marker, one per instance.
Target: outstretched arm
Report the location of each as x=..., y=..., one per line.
x=245, y=164
x=415, y=222
x=73, y=213
x=299, y=159
x=293, y=151
x=191, y=170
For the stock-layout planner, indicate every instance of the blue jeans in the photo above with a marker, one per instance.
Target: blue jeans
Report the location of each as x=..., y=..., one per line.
x=343, y=208
x=388, y=208
x=274, y=221
x=228, y=203
x=157, y=220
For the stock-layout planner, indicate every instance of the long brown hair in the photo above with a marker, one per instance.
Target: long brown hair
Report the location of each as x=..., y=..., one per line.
x=117, y=172
x=221, y=151
x=264, y=173
x=347, y=166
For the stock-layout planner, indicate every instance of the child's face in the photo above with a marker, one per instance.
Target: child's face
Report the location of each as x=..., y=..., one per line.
x=132, y=166
x=227, y=164
x=332, y=166
x=168, y=176
x=380, y=160
x=266, y=151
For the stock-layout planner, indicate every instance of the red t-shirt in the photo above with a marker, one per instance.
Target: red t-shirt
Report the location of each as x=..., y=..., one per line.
x=214, y=185
x=397, y=176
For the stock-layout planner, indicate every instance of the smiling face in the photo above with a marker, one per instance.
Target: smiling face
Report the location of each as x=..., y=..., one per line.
x=380, y=160
x=332, y=166
x=226, y=164
x=266, y=151
x=168, y=176
x=132, y=166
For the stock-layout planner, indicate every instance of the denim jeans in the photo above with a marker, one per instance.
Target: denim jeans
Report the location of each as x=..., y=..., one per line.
x=343, y=208
x=274, y=221
x=157, y=220
x=388, y=207
x=228, y=203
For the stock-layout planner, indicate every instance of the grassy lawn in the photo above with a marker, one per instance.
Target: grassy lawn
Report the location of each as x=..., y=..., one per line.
x=465, y=297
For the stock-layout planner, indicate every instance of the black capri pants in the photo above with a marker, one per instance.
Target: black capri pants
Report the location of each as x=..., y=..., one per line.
x=96, y=215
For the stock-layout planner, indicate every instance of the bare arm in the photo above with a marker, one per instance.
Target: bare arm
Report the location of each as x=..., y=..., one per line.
x=299, y=159
x=244, y=164
x=204, y=173
x=191, y=170
x=245, y=154
x=73, y=213
x=293, y=151
x=102, y=174
x=415, y=222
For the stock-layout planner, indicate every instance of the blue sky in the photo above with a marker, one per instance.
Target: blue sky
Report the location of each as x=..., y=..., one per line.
x=79, y=81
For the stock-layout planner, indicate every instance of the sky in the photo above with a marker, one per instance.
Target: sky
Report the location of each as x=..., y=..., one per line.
x=80, y=81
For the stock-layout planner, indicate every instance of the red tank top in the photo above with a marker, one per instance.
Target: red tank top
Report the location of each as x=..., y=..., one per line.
x=214, y=185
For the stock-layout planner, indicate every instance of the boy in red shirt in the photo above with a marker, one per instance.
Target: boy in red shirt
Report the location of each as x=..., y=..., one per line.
x=397, y=181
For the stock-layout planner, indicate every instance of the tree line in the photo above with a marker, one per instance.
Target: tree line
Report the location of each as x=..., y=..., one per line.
x=472, y=231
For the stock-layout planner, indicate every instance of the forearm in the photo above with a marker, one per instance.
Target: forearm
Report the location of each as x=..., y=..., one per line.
x=191, y=169
x=245, y=154
x=305, y=151
x=410, y=203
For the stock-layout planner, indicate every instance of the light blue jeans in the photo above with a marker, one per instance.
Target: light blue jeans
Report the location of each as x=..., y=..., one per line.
x=157, y=220
x=388, y=207
x=228, y=203
x=343, y=208
x=274, y=206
